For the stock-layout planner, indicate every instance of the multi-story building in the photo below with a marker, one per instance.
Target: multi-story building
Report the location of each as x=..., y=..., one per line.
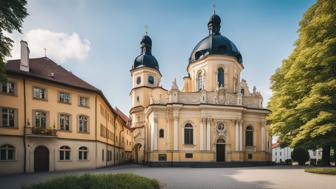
x=52, y=120
x=280, y=155
x=214, y=118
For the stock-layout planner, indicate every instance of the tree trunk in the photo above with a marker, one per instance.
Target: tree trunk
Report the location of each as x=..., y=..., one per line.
x=326, y=155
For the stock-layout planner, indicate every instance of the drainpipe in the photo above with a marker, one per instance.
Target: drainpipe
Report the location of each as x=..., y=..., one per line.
x=122, y=130
x=24, y=126
x=114, y=141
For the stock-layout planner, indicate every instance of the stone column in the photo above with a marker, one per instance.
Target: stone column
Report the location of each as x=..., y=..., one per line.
x=237, y=136
x=262, y=137
x=201, y=134
x=208, y=134
x=240, y=135
x=167, y=133
x=175, y=130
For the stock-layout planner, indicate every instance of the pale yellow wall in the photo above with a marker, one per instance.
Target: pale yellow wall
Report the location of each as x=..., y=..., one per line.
x=208, y=67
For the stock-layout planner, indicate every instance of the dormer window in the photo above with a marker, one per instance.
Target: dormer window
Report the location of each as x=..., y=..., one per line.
x=151, y=80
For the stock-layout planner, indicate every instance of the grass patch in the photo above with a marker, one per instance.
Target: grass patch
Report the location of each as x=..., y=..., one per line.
x=97, y=181
x=322, y=170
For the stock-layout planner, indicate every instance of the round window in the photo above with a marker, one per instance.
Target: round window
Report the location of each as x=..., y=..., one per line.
x=138, y=81
x=151, y=80
x=220, y=126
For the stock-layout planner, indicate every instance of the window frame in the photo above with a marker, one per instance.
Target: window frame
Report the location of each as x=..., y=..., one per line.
x=45, y=92
x=161, y=133
x=65, y=100
x=200, y=81
x=65, y=149
x=249, y=136
x=87, y=105
x=87, y=124
x=151, y=80
x=46, y=119
x=59, y=122
x=83, y=153
x=15, y=119
x=6, y=148
x=2, y=84
x=219, y=77
x=188, y=134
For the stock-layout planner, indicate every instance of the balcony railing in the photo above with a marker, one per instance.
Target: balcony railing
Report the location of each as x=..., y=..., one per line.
x=43, y=131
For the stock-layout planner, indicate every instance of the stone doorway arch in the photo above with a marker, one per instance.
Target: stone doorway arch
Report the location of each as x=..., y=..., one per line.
x=41, y=159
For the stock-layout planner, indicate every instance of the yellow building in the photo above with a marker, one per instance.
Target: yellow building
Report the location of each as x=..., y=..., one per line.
x=52, y=120
x=215, y=117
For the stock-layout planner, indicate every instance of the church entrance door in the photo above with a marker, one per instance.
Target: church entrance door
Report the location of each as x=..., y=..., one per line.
x=220, y=152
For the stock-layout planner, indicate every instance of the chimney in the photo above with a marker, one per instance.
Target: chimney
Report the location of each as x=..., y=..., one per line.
x=24, y=64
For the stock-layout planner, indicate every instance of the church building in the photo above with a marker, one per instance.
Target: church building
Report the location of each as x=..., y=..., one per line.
x=214, y=117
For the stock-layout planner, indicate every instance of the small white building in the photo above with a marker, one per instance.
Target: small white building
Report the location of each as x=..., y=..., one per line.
x=280, y=155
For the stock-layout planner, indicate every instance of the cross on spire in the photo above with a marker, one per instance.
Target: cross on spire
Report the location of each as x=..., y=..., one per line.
x=214, y=7
x=146, y=29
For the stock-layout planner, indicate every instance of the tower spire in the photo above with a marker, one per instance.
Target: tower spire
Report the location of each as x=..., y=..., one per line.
x=214, y=7
x=146, y=29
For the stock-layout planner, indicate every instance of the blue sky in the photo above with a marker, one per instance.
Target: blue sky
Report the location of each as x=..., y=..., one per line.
x=108, y=34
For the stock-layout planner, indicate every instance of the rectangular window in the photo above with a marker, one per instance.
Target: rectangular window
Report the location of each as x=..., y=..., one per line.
x=83, y=124
x=102, y=131
x=8, y=87
x=83, y=101
x=64, y=155
x=64, y=97
x=40, y=119
x=103, y=154
x=39, y=93
x=8, y=117
x=64, y=122
x=162, y=157
x=188, y=155
x=83, y=153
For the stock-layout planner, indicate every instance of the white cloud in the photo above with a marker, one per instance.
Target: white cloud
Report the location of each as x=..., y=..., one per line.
x=60, y=46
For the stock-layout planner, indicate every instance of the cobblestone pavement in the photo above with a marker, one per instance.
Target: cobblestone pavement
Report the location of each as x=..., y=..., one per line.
x=194, y=178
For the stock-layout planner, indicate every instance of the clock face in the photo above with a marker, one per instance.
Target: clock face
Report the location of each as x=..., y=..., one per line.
x=220, y=126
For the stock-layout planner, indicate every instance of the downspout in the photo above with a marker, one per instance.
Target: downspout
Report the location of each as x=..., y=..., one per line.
x=114, y=141
x=24, y=126
x=120, y=141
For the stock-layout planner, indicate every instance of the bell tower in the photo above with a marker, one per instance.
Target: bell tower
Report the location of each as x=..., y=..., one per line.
x=145, y=77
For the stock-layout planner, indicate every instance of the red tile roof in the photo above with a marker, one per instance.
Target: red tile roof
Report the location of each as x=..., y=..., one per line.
x=123, y=116
x=46, y=69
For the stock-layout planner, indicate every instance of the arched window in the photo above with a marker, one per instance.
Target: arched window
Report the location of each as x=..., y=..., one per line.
x=151, y=80
x=83, y=153
x=242, y=91
x=7, y=152
x=199, y=81
x=138, y=80
x=249, y=136
x=220, y=77
x=188, y=134
x=161, y=133
x=64, y=153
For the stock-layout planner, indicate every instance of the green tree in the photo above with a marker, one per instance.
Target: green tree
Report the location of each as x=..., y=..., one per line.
x=12, y=13
x=303, y=104
x=300, y=155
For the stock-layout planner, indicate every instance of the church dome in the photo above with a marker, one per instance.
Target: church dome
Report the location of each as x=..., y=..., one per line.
x=215, y=43
x=146, y=59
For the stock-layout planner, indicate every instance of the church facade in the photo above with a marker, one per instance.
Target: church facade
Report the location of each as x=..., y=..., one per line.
x=214, y=117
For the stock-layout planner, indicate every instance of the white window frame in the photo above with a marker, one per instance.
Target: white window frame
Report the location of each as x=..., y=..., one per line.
x=64, y=97
x=81, y=153
x=42, y=94
x=64, y=149
x=6, y=148
x=60, y=126
x=35, y=118
x=8, y=117
x=83, y=128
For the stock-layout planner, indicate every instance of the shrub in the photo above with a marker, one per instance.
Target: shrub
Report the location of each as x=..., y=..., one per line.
x=329, y=171
x=300, y=155
x=97, y=181
x=288, y=161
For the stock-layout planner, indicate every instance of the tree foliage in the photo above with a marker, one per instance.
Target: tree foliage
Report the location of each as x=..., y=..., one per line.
x=300, y=155
x=303, y=104
x=12, y=13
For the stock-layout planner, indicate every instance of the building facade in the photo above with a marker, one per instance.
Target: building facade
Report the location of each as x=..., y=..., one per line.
x=215, y=117
x=280, y=155
x=52, y=120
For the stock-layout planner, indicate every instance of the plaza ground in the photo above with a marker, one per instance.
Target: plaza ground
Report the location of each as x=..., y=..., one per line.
x=224, y=178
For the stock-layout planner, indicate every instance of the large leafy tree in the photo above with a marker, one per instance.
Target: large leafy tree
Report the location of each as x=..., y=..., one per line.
x=303, y=104
x=12, y=13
